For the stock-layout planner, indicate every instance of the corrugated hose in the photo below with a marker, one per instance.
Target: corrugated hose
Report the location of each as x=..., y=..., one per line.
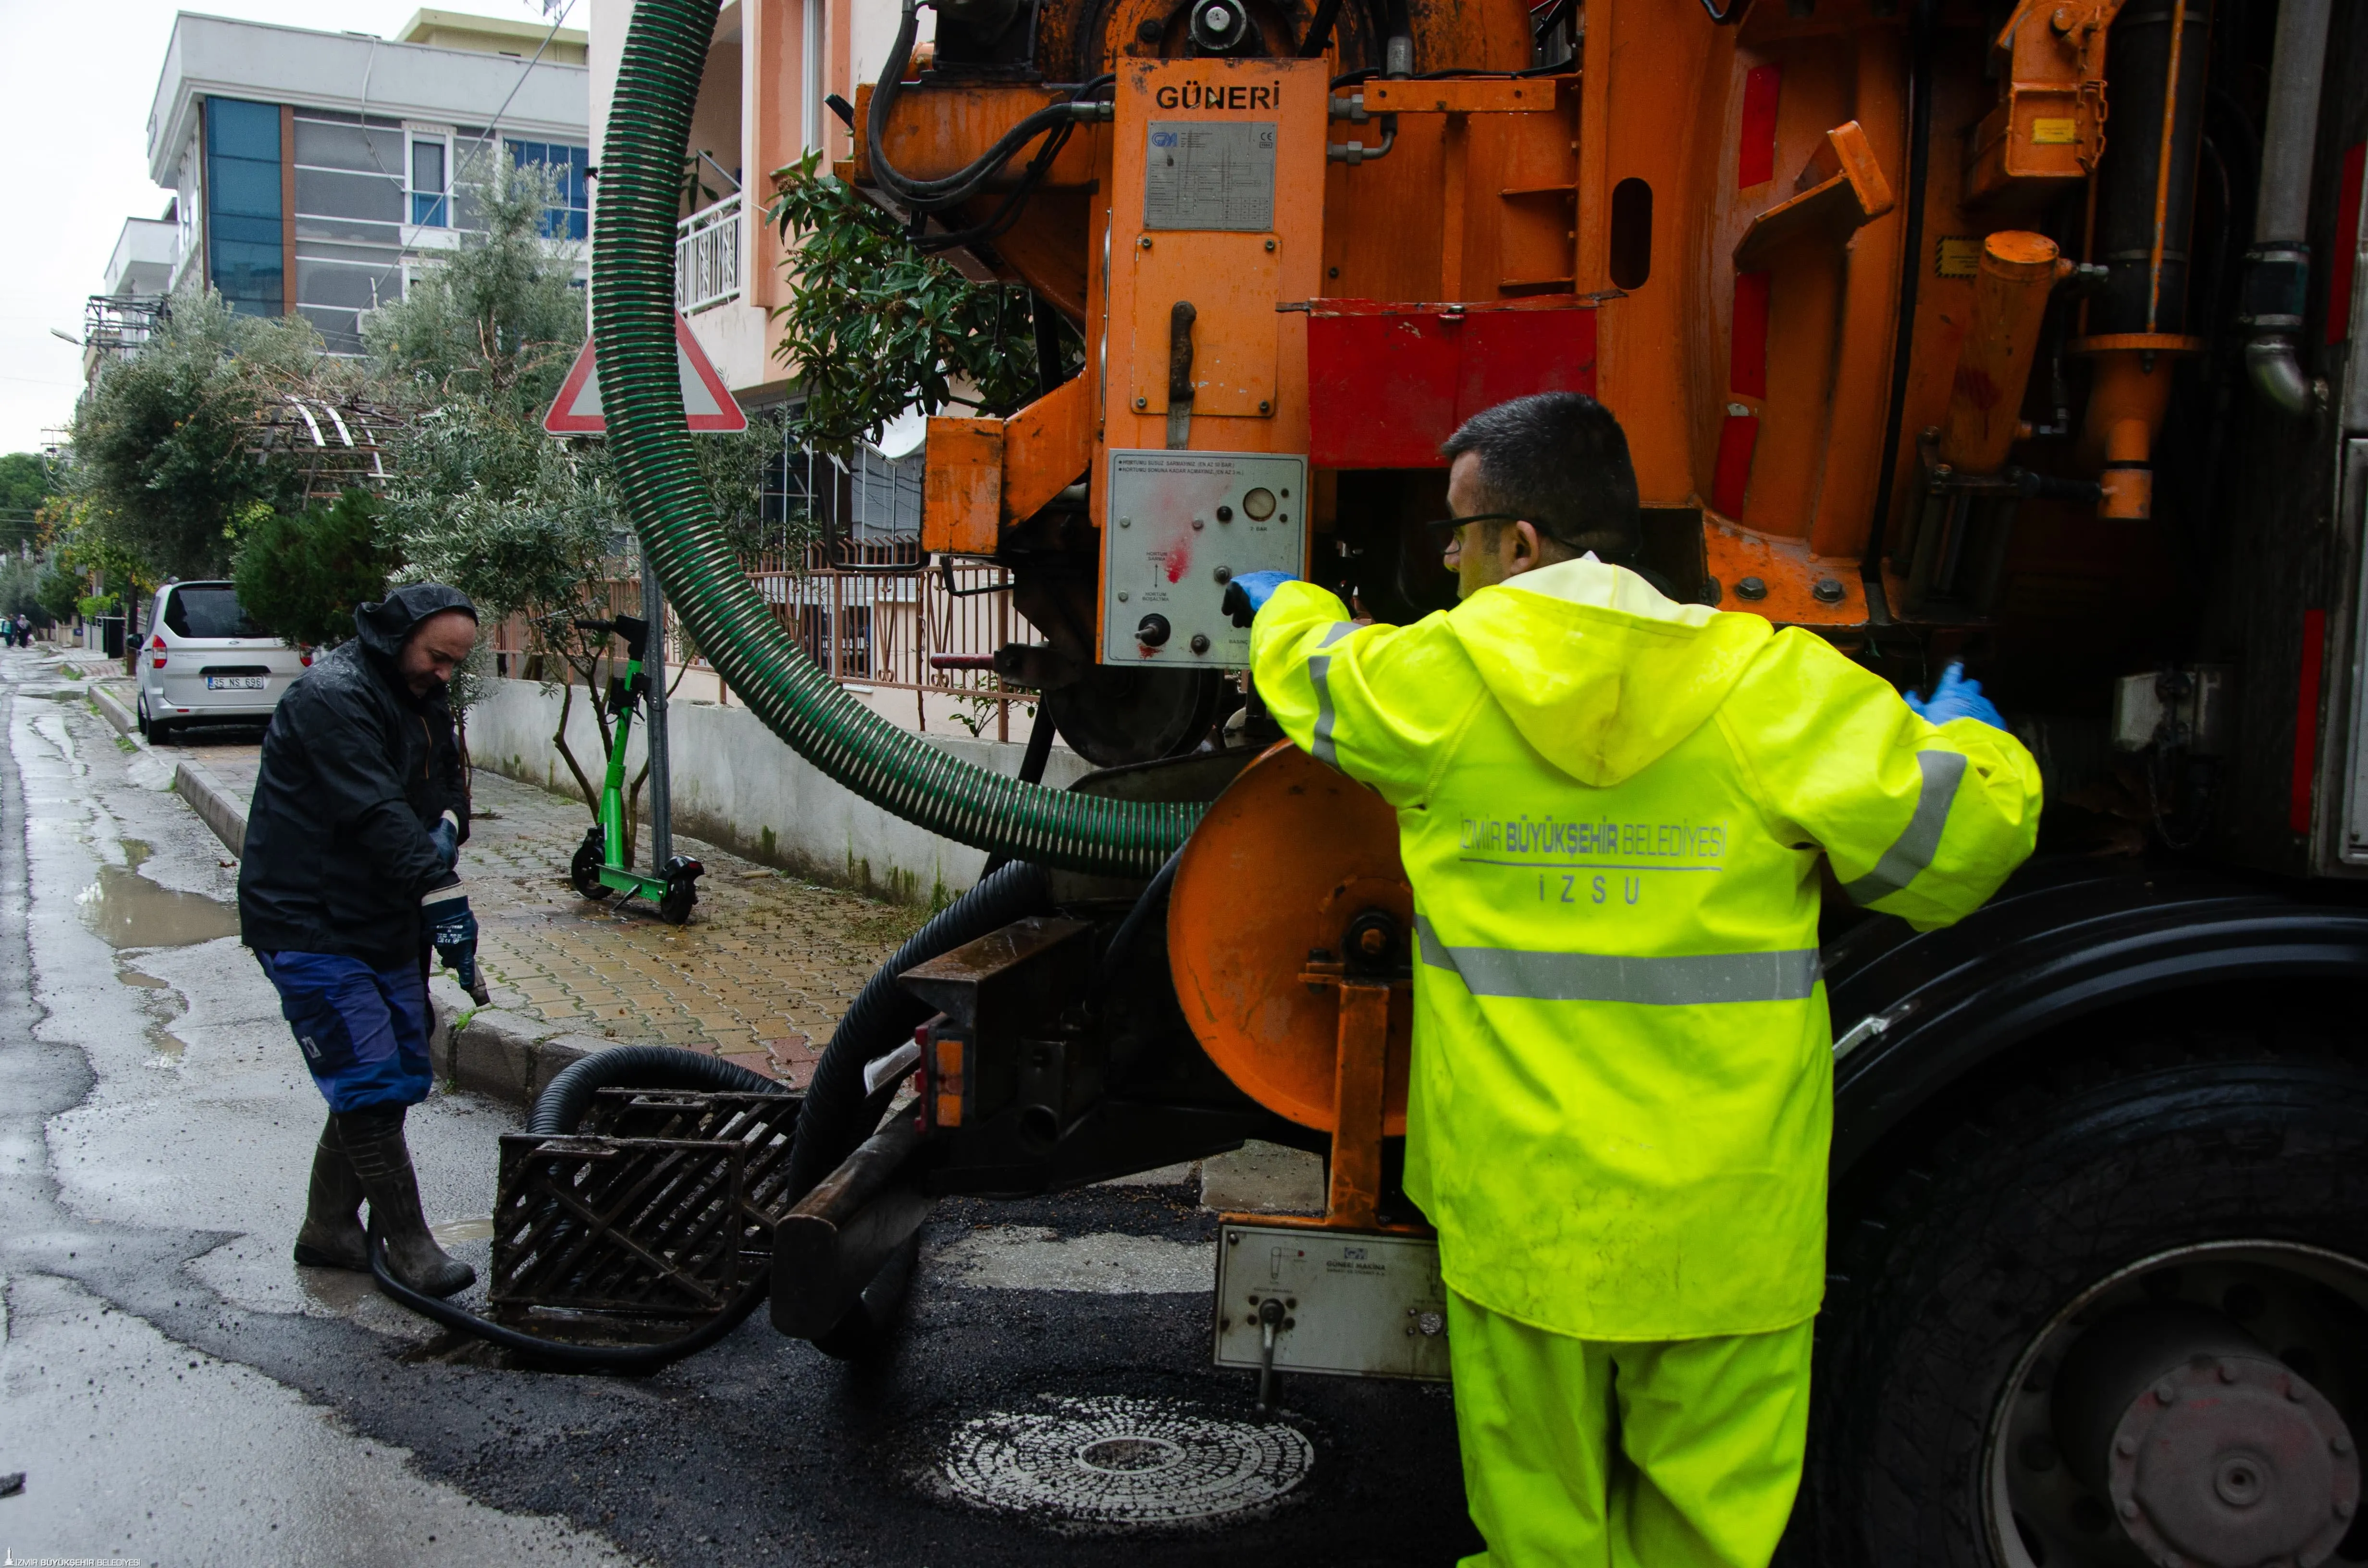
x=633, y=315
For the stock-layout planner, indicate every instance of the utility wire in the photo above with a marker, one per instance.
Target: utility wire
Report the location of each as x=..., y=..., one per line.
x=556, y=23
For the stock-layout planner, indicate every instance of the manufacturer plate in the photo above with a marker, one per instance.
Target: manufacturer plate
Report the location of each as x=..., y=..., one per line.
x=1357, y=1303
x=1209, y=174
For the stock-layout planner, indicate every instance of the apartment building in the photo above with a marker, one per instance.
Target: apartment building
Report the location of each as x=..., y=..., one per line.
x=138, y=275
x=771, y=67
x=314, y=171
x=762, y=104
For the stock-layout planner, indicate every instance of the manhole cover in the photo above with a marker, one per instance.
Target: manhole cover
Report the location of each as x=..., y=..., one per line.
x=1121, y=1461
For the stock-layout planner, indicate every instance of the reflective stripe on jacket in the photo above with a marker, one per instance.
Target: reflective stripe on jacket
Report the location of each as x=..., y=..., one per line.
x=1611, y=809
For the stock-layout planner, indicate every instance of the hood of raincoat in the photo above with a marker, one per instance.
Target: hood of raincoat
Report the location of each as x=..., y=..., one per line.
x=1598, y=670
x=385, y=626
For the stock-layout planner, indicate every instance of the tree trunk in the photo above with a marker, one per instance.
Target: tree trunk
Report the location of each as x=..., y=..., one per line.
x=559, y=740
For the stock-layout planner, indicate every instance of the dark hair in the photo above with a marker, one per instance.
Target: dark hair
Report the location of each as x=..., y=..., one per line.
x=1559, y=459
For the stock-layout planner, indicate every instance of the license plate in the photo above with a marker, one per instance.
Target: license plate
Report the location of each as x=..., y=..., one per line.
x=234, y=682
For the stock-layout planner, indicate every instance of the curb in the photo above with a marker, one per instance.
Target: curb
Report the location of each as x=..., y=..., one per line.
x=215, y=806
x=110, y=707
x=503, y=1055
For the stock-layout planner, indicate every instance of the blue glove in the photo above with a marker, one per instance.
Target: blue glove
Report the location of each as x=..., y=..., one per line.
x=1954, y=696
x=445, y=837
x=1247, y=595
x=453, y=928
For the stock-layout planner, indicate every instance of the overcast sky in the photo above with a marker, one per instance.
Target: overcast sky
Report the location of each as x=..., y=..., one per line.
x=76, y=85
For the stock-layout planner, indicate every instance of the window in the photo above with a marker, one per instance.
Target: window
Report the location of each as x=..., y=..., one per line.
x=428, y=203
x=352, y=195
x=571, y=218
x=349, y=179
x=211, y=610
x=243, y=248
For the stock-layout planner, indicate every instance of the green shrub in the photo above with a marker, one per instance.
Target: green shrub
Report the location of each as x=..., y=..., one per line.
x=300, y=575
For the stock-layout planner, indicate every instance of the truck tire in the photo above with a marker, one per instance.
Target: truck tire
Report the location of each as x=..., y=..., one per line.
x=2173, y=1177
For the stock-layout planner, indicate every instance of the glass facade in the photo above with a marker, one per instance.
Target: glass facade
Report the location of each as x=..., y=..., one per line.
x=351, y=202
x=242, y=217
x=359, y=183
x=572, y=218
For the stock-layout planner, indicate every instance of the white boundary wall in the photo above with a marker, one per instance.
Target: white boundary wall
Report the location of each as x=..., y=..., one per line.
x=737, y=786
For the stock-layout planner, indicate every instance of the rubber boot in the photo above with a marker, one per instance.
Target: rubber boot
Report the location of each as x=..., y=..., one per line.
x=332, y=1235
x=373, y=1141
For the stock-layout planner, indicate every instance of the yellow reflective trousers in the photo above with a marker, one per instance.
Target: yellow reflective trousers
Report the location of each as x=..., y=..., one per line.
x=1581, y=1453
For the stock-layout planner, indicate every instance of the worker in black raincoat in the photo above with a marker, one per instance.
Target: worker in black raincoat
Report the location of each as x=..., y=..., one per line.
x=349, y=879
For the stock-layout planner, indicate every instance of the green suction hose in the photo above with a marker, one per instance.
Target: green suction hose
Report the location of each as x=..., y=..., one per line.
x=632, y=313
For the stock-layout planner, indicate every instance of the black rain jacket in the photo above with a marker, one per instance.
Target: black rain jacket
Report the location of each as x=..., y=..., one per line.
x=355, y=770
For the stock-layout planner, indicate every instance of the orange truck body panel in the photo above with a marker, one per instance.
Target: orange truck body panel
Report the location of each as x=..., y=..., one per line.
x=1726, y=206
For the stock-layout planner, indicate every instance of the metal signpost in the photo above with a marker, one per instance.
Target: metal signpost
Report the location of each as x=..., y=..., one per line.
x=654, y=667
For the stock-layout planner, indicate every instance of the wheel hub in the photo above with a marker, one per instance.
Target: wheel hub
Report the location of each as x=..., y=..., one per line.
x=2233, y=1459
x=2174, y=1414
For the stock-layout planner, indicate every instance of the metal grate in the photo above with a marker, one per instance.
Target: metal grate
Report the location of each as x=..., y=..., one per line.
x=661, y=1208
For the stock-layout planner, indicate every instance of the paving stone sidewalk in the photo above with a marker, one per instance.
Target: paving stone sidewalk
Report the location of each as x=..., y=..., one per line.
x=760, y=975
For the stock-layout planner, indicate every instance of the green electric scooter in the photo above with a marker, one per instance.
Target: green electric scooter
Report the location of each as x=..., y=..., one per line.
x=600, y=868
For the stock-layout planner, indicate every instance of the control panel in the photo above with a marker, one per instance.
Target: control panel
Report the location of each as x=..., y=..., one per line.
x=1181, y=525
x=1351, y=1303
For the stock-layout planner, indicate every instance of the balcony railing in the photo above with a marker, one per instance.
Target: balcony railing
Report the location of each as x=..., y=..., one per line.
x=707, y=256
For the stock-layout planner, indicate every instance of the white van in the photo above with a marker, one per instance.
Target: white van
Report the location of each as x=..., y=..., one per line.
x=203, y=662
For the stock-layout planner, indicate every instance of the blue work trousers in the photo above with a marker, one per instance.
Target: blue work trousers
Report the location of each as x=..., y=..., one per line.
x=363, y=1030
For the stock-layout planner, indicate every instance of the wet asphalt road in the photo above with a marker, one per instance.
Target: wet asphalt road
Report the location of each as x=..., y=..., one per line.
x=177, y=1391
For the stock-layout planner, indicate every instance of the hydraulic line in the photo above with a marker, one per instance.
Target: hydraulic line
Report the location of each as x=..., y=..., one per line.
x=931, y=195
x=657, y=471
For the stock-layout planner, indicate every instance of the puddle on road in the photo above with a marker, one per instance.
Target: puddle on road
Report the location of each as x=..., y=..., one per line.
x=126, y=910
x=167, y=1047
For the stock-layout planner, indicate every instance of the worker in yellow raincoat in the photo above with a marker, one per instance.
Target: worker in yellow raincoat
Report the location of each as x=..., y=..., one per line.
x=1612, y=808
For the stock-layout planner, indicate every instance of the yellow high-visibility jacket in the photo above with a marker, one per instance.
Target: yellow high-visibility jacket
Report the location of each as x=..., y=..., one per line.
x=1612, y=808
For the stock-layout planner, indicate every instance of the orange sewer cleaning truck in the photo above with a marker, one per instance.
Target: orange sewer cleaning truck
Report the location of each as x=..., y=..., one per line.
x=2024, y=335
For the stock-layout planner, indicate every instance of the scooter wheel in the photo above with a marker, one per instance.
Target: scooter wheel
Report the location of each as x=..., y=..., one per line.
x=585, y=870
x=673, y=908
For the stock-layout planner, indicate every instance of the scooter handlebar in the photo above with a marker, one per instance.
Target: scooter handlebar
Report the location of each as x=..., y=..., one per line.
x=632, y=628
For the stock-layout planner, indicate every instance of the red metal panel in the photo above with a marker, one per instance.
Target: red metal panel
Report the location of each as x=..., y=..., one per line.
x=1388, y=382
x=1755, y=152
x=2346, y=248
x=1747, y=354
x=1732, y=479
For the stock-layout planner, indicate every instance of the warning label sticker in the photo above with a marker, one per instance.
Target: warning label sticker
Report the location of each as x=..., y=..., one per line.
x=1200, y=175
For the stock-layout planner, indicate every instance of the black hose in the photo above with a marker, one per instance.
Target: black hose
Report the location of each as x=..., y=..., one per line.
x=933, y=194
x=884, y=1015
x=1920, y=21
x=1319, y=30
x=1122, y=940
x=557, y=1111
x=564, y=1102
x=584, y=1357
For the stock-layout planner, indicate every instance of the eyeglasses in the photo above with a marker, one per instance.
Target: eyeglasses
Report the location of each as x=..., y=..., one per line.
x=1442, y=529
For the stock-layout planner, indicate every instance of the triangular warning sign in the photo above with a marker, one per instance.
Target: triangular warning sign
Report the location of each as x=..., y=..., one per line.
x=709, y=402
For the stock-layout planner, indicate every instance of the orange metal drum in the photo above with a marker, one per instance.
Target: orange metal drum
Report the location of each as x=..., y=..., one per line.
x=1288, y=856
